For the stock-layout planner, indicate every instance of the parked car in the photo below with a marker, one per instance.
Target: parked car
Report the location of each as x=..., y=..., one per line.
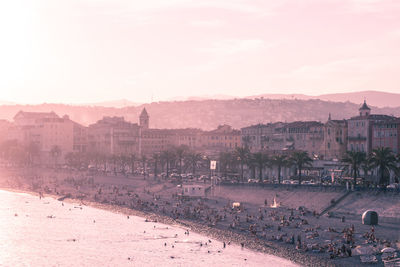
x=203, y=177
x=393, y=186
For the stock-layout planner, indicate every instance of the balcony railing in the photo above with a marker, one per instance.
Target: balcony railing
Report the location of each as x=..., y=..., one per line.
x=357, y=138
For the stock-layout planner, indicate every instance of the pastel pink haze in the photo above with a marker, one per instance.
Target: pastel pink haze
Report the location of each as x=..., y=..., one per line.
x=84, y=51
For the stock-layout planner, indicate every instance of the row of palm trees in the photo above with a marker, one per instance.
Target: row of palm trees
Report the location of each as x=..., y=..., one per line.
x=25, y=154
x=382, y=159
x=175, y=158
x=261, y=160
x=182, y=159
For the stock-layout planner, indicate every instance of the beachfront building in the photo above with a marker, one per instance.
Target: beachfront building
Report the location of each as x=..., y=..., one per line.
x=305, y=135
x=155, y=140
x=261, y=137
x=53, y=136
x=299, y=135
x=335, y=139
x=23, y=118
x=386, y=134
x=251, y=136
x=187, y=137
x=360, y=129
x=193, y=190
x=224, y=138
x=63, y=133
x=114, y=136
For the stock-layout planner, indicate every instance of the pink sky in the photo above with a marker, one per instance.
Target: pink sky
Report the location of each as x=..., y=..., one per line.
x=94, y=50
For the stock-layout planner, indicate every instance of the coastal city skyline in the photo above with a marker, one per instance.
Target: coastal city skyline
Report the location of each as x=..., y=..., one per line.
x=200, y=133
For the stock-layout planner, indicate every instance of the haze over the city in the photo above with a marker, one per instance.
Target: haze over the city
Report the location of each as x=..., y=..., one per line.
x=92, y=51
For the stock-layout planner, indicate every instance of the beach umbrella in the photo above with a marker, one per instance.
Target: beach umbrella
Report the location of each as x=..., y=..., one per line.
x=368, y=250
x=388, y=250
x=370, y=217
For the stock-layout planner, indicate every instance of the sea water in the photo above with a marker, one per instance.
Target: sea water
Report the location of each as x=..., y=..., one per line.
x=47, y=232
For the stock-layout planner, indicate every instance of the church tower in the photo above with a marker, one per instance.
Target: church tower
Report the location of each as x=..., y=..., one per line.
x=144, y=119
x=365, y=110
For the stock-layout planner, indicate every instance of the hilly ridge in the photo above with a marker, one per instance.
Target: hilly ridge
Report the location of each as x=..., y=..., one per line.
x=208, y=114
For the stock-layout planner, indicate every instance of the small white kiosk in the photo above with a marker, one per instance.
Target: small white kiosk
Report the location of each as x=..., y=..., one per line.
x=193, y=190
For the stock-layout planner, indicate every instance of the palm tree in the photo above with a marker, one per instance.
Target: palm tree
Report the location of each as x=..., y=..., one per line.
x=114, y=159
x=167, y=156
x=144, y=160
x=180, y=153
x=242, y=154
x=207, y=163
x=366, y=166
x=132, y=159
x=156, y=159
x=260, y=160
x=383, y=159
x=279, y=161
x=396, y=178
x=55, y=152
x=123, y=161
x=251, y=164
x=103, y=159
x=33, y=152
x=300, y=159
x=246, y=141
x=355, y=159
x=192, y=159
x=225, y=158
x=93, y=157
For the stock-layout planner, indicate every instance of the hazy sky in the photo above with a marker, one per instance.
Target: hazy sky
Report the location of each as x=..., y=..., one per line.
x=93, y=50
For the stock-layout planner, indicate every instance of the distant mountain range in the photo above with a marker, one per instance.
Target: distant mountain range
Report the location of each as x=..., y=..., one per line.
x=208, y=114
x=121, y=103
x=374, y=98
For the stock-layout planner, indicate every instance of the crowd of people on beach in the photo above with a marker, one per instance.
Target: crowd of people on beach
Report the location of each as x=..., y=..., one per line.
x=289, y=226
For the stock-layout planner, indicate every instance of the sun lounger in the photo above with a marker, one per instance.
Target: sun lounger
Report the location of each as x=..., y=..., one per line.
x=392, y=263
x=368, y=259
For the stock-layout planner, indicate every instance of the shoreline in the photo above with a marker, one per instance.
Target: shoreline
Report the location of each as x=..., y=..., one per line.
x=224, y=235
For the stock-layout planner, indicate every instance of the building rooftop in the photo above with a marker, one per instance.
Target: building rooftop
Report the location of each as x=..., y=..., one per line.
x=35, y=115
x=373, y=117
x=303, y=124
x=391, y=121
x=187, y=131
x=364, y=106
x=144, y=113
